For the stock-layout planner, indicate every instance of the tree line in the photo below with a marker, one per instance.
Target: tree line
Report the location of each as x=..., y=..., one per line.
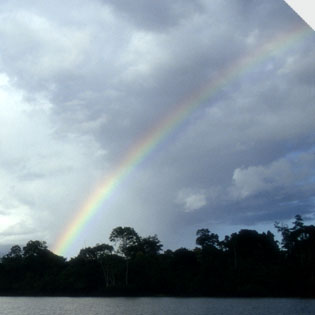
x=247, y=263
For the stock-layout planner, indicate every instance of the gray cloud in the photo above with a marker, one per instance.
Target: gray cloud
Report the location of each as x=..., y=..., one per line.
x=83, y=81
x=158, y=15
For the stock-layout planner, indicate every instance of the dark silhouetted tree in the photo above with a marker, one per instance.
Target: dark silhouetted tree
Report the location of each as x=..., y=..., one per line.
x=150, y=245
x=34, y=248
x=127, y=239
x=206, y=239
x=128, y=242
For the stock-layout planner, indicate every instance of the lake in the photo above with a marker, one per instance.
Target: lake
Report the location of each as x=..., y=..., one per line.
x=154, y=306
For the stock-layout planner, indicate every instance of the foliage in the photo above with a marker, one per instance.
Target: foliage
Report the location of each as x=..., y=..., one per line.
x=246, y=263
x=127, y=239
x=206, y=239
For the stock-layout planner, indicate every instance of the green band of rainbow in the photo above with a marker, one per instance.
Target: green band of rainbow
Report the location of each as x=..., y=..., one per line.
x=163, y=128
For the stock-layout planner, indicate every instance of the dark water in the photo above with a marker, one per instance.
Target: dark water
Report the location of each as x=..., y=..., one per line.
x=154, y=306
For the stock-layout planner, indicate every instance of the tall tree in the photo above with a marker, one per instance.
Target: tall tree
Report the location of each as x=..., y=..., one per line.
x=150, y=245
x=207, y=239
x=127, y=240
x=34, y=248
x=15, y=252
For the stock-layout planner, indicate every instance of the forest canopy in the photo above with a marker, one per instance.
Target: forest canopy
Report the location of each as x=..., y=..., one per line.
x=246, y=263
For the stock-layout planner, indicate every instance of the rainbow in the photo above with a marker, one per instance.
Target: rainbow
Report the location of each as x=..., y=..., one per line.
x=140, y=150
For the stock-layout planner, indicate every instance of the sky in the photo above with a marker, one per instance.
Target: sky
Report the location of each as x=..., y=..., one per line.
x=81, y=82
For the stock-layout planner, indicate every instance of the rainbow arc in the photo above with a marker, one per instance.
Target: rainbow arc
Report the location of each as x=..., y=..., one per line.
x=163, y=128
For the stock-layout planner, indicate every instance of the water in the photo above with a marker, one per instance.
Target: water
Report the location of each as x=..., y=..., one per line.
x=154, y=306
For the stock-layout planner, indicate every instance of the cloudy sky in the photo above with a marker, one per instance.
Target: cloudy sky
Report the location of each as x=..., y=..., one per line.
x=82, y=81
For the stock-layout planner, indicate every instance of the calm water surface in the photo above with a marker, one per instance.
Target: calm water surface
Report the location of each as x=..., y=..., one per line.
x=153, y=306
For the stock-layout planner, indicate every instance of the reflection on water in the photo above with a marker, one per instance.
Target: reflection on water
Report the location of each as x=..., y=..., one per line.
x=154, y=306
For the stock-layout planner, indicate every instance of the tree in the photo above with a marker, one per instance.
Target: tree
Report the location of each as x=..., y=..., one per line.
x=185, y=270
x=150, y=245
x=128, y=242
x=290, y=236
x=15, y=252
x=298, y=223
x=206, y=239
x=99, y=255
x=34, y=248
x=97, y=252
x=127, y=239
x=299, y=242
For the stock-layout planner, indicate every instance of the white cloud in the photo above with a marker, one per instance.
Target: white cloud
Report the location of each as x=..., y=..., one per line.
x=191, y=200
x=280, y=175
x=38, y=167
